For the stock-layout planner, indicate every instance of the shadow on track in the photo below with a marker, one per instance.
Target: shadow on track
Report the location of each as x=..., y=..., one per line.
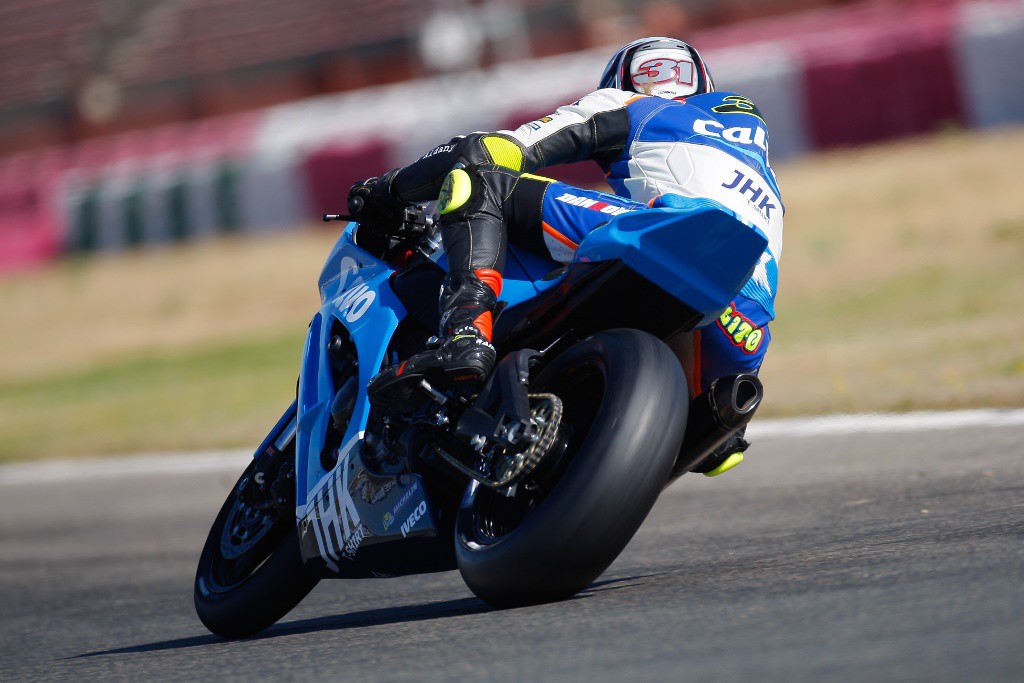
x=341, y=622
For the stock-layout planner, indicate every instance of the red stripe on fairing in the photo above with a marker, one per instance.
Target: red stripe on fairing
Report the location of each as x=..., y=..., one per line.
x=559, y=236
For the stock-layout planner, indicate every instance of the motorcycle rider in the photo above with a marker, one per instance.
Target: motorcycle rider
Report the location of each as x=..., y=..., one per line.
x=660, y=132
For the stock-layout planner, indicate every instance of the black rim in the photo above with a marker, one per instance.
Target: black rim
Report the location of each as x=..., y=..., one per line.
x=249, y=536
x=493, y=515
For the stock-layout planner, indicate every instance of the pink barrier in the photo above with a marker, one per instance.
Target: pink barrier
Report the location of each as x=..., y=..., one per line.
x=882, y=78
x=28, y=227
x=329, y=172
x=882, y=96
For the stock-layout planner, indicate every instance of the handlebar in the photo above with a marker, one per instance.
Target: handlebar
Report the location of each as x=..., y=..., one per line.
x=328, y=217
x=417, y=233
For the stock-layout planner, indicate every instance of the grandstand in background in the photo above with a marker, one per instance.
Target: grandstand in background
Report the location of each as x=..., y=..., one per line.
x=126, y=123
x=76, y=69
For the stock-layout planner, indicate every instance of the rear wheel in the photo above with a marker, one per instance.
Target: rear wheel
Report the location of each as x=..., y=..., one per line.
x=250, y=572
x=625, y=405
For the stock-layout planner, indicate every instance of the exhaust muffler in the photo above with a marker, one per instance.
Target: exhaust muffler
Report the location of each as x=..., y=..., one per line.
x=715, y=415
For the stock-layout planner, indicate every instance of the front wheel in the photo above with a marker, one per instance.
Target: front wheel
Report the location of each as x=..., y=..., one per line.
x=625, y=405
x=250, y=572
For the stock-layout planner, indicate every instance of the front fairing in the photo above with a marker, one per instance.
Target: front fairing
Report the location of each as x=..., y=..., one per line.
x=355, y=293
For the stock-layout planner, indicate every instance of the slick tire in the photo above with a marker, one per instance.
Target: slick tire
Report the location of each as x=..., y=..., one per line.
x=625, y=407
x=240, y=596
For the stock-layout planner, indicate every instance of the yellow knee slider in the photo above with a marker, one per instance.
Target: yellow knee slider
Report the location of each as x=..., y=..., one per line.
x=456, y=191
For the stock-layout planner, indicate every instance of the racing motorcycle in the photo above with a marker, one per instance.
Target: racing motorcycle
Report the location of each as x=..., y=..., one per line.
x=532, y=486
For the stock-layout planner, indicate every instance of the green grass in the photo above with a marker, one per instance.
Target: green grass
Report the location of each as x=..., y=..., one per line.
x=220, y=397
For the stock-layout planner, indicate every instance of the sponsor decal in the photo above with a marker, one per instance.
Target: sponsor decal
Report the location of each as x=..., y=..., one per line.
x=593, y=204
x=390, y=517
x=371, y=489
x=741, y=331
x=440, y=149
x=737, y=104
x=348, y=551
x=355, y=302
x=755, y=196
x=740, y=135
x=536, y=125
x=414, y=517
x=335, y=518
x=660, y=70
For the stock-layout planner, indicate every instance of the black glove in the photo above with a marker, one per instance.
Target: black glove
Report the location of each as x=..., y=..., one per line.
x=379, y=214
x=371, y=203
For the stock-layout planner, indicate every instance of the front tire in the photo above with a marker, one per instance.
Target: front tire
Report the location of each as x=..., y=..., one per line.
x=250, y=572
x=625, y=407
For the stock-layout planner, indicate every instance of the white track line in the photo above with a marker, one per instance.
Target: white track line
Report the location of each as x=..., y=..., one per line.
x=881, y=423
x=55, y=471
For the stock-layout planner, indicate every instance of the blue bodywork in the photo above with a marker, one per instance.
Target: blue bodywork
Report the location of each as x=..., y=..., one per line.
x=701, y=253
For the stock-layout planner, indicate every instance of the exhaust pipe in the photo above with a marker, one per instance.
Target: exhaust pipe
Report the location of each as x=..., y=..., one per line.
x=715, y=415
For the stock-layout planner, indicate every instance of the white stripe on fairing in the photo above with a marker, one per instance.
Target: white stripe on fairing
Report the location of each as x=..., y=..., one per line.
x=234, y=461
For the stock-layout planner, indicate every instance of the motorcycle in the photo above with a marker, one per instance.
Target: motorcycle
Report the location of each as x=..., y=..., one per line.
x=530, y=487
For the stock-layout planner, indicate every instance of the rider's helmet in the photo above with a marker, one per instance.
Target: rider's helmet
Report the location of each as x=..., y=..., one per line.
x=665, y=67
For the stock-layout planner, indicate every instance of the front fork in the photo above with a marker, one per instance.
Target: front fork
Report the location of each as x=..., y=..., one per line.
x=271, y=484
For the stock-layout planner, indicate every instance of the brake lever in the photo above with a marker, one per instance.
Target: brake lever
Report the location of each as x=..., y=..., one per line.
x=328, y=217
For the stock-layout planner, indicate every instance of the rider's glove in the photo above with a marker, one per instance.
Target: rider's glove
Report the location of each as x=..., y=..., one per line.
x=379, y=214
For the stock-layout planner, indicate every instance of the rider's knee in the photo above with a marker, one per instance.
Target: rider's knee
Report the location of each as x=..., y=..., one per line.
x=470, y=190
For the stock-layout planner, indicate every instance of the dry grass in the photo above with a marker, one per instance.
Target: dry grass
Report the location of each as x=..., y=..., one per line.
x=902, y=279
x=75, y=315
x=902, y=287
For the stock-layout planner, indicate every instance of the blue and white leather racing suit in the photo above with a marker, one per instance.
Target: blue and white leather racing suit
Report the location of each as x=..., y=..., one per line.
x=653, y=151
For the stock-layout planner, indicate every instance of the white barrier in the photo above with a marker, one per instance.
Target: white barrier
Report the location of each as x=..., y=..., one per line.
x=270, y=193
x=772, y=78
x=990, y=51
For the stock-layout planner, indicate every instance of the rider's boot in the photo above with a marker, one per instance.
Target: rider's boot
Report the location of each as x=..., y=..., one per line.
x=464, y=355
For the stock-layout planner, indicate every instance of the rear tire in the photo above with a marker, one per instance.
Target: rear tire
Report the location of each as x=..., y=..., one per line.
x=625, y=407
x=244, y=585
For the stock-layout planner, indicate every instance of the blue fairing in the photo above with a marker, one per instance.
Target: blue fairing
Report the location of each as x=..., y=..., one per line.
x=700, y=252
x=354, y=289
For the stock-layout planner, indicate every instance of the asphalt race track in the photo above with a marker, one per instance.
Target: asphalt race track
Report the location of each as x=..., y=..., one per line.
x=842, y=556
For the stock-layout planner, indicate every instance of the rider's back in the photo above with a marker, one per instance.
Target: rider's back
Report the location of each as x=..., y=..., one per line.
x=713, y=145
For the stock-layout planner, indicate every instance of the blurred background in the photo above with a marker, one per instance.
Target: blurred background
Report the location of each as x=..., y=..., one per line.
x=163, y=164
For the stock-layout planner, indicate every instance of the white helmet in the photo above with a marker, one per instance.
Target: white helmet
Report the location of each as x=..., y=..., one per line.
x=664, y=67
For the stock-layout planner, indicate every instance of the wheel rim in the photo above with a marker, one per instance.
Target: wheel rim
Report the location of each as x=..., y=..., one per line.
x=493, y=515
x=248, y=538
